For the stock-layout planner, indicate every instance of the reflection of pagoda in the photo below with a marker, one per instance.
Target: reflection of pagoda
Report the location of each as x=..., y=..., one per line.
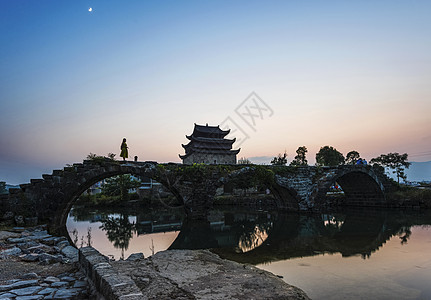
x=208, y=145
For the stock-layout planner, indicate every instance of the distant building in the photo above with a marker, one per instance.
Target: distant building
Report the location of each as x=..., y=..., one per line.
x=208, y=145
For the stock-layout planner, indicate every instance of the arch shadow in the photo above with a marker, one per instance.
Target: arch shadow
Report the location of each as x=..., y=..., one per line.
x=360, y=185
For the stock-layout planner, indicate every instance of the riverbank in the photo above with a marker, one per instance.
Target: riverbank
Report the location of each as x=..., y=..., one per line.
x=182, y=274
x=411, y=197
x=36, y=265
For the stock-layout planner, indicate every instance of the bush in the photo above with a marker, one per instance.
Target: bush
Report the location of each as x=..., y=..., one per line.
x=411, y=194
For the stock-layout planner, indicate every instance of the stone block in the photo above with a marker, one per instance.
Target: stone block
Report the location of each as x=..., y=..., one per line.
x=70, y=252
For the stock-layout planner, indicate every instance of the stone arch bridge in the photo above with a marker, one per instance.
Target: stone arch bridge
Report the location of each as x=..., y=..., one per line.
x=294, y=188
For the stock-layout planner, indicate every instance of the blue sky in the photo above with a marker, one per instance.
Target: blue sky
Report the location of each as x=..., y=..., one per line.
x=353, y=75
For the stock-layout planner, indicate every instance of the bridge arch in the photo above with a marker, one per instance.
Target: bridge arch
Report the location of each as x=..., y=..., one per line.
x=360, y=184
x=285, y=198
x=56, y=194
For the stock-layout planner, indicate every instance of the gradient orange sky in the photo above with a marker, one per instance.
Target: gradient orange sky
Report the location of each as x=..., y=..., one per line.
x=355, y=76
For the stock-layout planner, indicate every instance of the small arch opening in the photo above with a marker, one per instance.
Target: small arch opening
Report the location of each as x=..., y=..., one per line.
x=118, y=214
x=355, y=189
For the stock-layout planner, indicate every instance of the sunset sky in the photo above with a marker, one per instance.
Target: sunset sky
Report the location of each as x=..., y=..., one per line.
x=355, y=75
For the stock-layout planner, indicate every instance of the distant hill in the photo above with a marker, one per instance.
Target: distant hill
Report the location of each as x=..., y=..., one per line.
x=419, y=171
x=10, y=186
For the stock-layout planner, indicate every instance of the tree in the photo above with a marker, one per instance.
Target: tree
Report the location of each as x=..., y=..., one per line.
x=329, y=156
x=3, y=189
x=300, y=159
x=280, y=160
x=352, y=157
x=244, y=161
x=395, y=161
x=120, y=186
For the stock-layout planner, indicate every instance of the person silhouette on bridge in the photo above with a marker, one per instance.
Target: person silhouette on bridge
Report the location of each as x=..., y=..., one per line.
x=124, y=152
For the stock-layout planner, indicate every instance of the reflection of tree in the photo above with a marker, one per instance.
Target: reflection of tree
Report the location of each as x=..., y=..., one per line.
x=119, y=231
x=404, y=234
x=252, y=233
x=332, y=223
x=254, y=238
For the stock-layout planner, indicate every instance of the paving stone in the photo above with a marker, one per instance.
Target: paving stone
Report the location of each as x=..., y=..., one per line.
x=46, y=258
x=41, y=248
x=60, y=284
x=80, y=284
x=66, y=293
x=7, y=296
x=26, y=291
x=47, y=291
x=39, y=237
x=26, y=245
x=50, y=241
x=32, y=297
x=18, y=284
x=15, y=251
x=30, y=257
x=51, y=279
x=4, y=235
x=59, y=239
x=67, y=278
x=41, y=233
x=79, y=274
x=18, y=240
x=62, y=244
x=70, y=252
x=31, y=275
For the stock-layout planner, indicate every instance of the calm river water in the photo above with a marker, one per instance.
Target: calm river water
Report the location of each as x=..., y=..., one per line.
x=354, y=254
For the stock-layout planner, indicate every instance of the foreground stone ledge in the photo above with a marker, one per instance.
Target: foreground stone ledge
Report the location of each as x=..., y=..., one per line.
x=201, y=274
x=182, y=274
x=107, y=281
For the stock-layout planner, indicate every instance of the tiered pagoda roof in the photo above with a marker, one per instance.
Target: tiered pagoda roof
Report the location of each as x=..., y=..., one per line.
x=209, y=140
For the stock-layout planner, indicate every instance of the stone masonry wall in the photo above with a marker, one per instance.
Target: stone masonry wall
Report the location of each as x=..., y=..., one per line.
x=218, y=159
x=106, y=280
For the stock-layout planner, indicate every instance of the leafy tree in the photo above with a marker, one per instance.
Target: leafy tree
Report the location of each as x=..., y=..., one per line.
x=244, y=161
x=395, y=161
x=280, y=160
x=300, y=159
x=3, y=189
x=120, y=186
x=329, y=156
x=352, y=157
x=256, y=176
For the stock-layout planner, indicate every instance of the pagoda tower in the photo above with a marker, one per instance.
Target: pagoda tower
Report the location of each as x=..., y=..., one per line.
x=208, y=145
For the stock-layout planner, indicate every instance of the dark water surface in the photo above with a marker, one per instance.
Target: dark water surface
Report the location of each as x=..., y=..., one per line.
x=352, y=254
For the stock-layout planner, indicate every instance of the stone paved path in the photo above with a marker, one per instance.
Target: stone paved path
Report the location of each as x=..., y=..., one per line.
x=36, y=265
x=33, y=286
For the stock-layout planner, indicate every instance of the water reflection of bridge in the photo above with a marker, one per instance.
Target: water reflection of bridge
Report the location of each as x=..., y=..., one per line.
x=252, y=237
x=296, y=235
